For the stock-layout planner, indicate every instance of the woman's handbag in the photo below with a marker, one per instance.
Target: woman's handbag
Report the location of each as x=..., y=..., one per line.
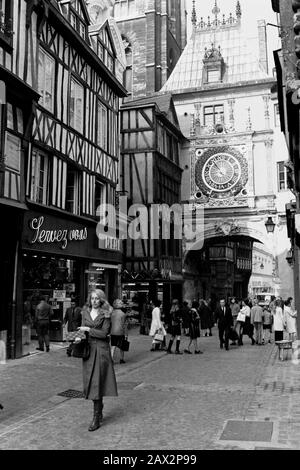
x=81, y=349
x=159, y=335
x=125, y=344
x=71, y=335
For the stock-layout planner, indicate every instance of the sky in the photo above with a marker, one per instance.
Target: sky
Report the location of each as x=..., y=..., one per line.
x=252, y=10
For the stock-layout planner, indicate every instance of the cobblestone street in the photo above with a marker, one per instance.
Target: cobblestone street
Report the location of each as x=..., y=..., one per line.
x=165, y=401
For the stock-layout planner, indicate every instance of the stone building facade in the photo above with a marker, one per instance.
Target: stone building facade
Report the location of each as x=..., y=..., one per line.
x=234, y=165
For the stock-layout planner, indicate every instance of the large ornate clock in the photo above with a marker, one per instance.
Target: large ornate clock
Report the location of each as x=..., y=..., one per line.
x=220, y=172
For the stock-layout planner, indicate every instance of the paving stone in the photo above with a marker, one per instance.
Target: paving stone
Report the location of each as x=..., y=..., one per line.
x=165, y=401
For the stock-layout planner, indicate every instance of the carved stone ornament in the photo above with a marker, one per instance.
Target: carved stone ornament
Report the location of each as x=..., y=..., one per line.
x=227, y=228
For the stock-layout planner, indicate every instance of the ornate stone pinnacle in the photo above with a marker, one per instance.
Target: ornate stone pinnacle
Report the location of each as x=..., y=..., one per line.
x=216, y=10
x=194, y=15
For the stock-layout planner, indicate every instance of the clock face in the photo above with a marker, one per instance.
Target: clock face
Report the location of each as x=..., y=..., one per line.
x=221, y=172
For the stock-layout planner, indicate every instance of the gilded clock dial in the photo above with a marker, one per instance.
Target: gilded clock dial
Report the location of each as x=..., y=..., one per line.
x=221, y=172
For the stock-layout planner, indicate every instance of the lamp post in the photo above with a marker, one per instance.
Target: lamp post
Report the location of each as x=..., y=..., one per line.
x=270, y=225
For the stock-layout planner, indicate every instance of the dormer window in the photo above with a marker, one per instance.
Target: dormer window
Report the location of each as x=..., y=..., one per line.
x=73, y=11
x=213, y=65
x=213, y=76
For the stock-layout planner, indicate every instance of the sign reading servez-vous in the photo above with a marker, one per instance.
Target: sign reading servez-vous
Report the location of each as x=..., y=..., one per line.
x=55, y=235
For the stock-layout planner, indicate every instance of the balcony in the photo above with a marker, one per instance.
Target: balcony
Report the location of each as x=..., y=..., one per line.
x=6, y=33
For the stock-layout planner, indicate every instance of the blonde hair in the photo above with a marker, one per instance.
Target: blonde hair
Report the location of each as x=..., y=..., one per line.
x=105, y=306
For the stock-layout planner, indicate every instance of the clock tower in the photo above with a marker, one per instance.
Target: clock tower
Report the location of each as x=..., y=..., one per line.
x=234, y=161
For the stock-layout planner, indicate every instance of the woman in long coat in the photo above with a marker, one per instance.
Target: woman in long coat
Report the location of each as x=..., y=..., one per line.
x=156, y=323
x=98, y=371
x=194, y=328
x=290, y=316
x=278, y=321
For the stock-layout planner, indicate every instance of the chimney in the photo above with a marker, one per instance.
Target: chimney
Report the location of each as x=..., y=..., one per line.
x=262, y=42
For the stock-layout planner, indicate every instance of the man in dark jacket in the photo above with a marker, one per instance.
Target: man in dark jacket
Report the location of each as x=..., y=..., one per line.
x=225, y=322
x=73, y=319
x=73, y=316
x=43, y=314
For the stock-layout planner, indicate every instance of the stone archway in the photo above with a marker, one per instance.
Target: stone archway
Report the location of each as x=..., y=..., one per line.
x=206, y=272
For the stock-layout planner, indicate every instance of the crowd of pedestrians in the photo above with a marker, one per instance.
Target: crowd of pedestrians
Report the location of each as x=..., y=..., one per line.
x=106, y=330
x=234, y=319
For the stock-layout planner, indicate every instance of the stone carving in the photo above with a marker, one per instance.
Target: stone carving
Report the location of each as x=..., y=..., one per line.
x=227, y=228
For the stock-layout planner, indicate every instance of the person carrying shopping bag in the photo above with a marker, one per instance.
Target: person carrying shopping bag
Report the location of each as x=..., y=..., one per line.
x=156, y=325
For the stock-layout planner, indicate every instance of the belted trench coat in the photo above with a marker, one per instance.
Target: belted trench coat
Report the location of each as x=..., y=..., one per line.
x=99, y=378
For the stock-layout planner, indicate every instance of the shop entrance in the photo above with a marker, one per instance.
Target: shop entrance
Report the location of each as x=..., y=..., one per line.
x=57, y=279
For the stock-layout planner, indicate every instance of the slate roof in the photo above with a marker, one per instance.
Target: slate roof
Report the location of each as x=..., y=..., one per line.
x=240, y=54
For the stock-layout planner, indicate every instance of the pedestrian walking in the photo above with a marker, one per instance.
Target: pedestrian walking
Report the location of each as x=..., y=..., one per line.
x=185, y=317
x=256, y=319
x=235, y=308
x=248, y=328
x=144, y=326
x=240, y=322
x=205, y=318
x=98, y=371
x=267, y=324
x=290, y=316
x=175, y=327
x=119, y=329
x=225, y=322
x=194, y=329
x=43, y=315
x=72, y=319
x=278, y=321
x=156, y=325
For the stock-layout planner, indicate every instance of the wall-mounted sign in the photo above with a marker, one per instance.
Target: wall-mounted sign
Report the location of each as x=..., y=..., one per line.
x=57, y=235
x=59, y=294
x=110, y=243
x=69, y=287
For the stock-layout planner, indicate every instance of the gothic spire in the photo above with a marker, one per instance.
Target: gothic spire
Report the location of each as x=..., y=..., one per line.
x=216, y=10
x=238, y=10
x=194, y=15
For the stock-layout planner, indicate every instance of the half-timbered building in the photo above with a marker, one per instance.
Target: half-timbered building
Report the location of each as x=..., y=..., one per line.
x=71, y=161
x=150, y=174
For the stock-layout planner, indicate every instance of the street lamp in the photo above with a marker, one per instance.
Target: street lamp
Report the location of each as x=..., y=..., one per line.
x=270, y=226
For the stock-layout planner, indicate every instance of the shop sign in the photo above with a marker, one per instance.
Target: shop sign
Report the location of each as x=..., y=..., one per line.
x=110, y=243
x=57, y=235
x=59, y=294
x=69, y=287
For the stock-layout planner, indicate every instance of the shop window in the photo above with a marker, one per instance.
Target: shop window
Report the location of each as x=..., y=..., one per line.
x=76, y=109
x=73, y=191
x=40, y=178
x=46, y=77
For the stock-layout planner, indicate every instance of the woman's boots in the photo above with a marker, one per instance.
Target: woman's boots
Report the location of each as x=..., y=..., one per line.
x=97, y=419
